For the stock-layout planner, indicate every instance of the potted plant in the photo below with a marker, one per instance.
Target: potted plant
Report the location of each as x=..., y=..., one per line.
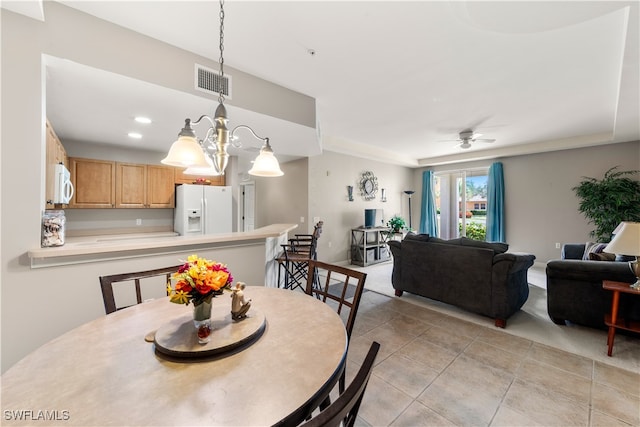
x=396, y=224
x=609, y=201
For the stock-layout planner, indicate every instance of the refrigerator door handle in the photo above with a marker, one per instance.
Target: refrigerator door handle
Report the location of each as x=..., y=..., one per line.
x=205, y=214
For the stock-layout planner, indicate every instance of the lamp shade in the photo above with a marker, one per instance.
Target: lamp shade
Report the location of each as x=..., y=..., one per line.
x=626, y=240
x=208, y=171
x=266, y=164
x=185, y=152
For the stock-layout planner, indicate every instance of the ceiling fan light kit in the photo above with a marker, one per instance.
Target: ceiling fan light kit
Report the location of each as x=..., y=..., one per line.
x=189, y=152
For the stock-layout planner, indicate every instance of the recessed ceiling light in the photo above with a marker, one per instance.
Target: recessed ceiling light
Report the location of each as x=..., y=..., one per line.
x=144, y=120
x=135, y=135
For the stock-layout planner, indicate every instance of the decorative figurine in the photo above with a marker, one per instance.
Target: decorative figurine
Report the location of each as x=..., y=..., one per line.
x=239, y=306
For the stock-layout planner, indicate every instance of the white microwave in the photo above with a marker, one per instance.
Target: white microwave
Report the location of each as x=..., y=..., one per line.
x=63, y=188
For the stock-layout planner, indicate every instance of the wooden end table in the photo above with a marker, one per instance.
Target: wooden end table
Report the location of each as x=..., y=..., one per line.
x=612, y=320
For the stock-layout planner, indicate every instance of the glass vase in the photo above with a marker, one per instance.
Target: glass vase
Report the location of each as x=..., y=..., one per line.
x=202, y=321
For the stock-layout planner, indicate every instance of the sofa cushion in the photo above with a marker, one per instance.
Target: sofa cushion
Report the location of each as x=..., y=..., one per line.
x=444, y=242
x=496, y=247
x=592, y=248
x=417, y=237
x=601, y=256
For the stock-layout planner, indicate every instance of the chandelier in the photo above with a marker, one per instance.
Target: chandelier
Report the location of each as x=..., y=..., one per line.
x=209, y=156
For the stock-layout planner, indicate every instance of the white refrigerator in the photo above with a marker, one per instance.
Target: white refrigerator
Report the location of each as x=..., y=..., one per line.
x=202, y=209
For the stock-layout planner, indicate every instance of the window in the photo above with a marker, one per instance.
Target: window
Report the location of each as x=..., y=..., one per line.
x=460, y=197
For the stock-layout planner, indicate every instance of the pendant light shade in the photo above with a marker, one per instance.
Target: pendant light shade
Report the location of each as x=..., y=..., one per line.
x=185, y=152
x=266, y=163
x=208, y=171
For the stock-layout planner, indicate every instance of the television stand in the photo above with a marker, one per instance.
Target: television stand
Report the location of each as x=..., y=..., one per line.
x=369, y=245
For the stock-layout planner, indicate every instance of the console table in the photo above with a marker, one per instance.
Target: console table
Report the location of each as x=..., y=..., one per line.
x=612, y=320
x=369, y=245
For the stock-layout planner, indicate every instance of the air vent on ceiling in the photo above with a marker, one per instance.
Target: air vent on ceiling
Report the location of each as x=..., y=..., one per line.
x=208, y=80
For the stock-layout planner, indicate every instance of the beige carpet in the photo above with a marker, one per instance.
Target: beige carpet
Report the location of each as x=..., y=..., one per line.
x=531, y=322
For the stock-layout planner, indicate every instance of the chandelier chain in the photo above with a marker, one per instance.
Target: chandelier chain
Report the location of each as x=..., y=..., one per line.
x=221, y=60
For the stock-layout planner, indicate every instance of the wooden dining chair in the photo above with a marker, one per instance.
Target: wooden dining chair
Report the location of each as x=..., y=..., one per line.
x=344, y=410
x=338, y=286
x=295, y=257
x=341, y=288
x=106, y=284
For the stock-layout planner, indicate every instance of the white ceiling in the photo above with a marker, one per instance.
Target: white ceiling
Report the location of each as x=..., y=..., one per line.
x=392, y=80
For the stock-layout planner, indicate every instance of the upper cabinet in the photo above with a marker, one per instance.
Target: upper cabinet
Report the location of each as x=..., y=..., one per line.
x=94, y=182
x=55, y=154
x=144, y=186
x=161, y=187
x=107, y=184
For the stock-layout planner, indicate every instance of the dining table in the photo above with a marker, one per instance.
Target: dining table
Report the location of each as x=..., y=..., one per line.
x=110, y=371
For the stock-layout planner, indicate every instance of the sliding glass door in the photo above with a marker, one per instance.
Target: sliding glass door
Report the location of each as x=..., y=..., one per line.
x=461, y=199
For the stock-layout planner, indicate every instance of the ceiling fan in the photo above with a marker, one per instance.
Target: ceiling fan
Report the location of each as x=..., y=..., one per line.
x=467, y=136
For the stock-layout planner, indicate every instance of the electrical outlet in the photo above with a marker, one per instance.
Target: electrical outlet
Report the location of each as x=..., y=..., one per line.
x=557, y=245
x=329, y=244
x=139, y=221
x=301, y=220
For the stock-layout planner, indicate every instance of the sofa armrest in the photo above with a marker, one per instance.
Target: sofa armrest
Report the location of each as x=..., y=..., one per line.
x=573, y=250
x=513, y=262
x=395, y=248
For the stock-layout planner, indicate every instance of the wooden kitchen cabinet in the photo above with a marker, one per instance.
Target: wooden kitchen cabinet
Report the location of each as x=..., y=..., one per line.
x=161, y=187
x=131, y=185
x=94, y=182
x=107, y=184
x=144, y=186
x=181, y=178
x=55, y=154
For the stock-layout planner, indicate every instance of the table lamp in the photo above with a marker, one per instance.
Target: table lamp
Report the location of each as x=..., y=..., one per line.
x=626, y=241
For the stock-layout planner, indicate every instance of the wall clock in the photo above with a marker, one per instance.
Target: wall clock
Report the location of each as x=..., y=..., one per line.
x=368, y=185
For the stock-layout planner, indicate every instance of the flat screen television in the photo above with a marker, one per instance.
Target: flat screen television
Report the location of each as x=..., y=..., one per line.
x=373, y=218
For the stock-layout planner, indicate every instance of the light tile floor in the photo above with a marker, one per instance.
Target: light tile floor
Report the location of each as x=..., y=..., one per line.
x=434, y=369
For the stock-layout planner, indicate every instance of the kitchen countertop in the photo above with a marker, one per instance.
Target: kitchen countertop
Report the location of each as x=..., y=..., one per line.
x=79, y=249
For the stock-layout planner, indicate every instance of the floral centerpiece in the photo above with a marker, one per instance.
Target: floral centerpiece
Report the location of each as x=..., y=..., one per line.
x=197, y=281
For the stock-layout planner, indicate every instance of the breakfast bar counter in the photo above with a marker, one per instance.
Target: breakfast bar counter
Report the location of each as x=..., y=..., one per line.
x=99, y=248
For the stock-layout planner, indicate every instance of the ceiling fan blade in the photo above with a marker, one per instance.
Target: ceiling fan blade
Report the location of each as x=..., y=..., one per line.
x=484, y=140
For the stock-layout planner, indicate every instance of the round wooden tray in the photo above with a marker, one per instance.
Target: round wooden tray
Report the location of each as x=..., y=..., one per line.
x=178, y=338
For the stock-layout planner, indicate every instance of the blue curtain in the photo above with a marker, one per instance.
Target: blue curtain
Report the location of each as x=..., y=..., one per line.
x=495, y=204
x=428, y=211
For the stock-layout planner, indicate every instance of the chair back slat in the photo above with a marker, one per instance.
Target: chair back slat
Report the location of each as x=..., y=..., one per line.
x=107, y=281
x=335, y=287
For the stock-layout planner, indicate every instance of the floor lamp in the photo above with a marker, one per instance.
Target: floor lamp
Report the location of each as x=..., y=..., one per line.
x=409, y=193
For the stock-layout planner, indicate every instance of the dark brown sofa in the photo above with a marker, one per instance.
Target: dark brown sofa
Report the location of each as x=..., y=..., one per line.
x=575, y=293
x=476, y=276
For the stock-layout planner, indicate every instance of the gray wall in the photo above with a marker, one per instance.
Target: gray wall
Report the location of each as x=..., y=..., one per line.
x=540, y=207
x=329, y=176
